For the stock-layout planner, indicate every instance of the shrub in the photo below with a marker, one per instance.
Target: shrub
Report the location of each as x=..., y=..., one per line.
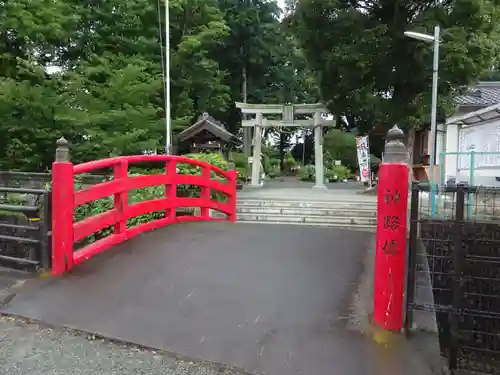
x=337, y=173
x=307, y=173
x=148, y=193
x=213, y=158
x=240, y=160
x=290, y=164
x=194, y=191
x=274, y=172
x=242, y=176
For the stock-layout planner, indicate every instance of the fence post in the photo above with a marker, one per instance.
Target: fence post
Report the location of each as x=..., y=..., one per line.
x=62, y=209
x=412, y=257
x=45, y=227
x=390, y=256
x=233, y=181
x=458, y=258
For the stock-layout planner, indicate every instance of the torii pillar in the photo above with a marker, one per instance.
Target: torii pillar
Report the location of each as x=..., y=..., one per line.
x=287, y=112
x=318, y=152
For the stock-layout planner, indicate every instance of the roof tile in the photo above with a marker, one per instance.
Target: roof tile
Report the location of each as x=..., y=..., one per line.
x=483, y=94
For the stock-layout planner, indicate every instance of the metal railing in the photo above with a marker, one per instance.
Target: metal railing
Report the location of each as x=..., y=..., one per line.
x=453, y=274
x=25, y=229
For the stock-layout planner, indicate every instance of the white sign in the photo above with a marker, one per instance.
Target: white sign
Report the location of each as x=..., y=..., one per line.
x=363, y=151
x=338, y=162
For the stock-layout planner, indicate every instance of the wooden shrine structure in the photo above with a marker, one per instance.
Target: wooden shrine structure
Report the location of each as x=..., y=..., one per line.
x=208, y=134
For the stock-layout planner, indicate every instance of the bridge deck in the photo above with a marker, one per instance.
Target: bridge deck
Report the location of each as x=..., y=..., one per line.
x=268, y=299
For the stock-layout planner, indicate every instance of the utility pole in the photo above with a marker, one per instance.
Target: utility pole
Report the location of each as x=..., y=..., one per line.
x=247, y=132
x=168, y=116
x=435, y=40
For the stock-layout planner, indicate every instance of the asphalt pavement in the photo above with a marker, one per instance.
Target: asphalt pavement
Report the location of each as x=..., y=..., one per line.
x=265, y=299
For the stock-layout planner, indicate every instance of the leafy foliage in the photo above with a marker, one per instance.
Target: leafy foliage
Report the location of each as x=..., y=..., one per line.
x=93, y=72
x=148, y=193
x=307, y=173
x=339, y=145
x=370, y=72
x=332, y=173
x=337, y=173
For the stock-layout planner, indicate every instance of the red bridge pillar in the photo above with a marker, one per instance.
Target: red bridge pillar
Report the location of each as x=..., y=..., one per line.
x=62, y=209
x=390, y=256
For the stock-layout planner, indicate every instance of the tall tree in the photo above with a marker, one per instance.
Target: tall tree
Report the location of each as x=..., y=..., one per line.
x=94, y=72
x=33, y=105
x=366, y=67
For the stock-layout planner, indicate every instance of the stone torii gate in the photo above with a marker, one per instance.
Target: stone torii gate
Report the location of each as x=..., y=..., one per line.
x=288, y=113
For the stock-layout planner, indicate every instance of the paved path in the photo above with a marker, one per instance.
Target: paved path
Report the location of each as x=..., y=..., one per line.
x=304, y=191
x=266, y=299
x=292, y=182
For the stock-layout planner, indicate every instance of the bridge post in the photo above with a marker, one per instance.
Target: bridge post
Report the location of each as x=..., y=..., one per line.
x=232, y=199
x=171, y=190
x=390, y=256
x=205, y=192
x=62, y=209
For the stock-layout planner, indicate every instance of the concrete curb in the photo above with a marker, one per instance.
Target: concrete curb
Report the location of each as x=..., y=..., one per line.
x=11, y=281
x=362, y=303
x=361, y=307
x=9, y=288
x=420, y=351
x=424, y=320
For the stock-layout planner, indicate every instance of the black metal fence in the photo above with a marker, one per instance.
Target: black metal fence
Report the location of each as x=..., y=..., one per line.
x=454, y=273
x=25, y=220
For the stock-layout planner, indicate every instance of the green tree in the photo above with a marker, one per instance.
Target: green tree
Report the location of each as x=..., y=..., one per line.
x=340, y=145
x=94, y=72
x=134, y=30
x=33, y=104
x=368, y=70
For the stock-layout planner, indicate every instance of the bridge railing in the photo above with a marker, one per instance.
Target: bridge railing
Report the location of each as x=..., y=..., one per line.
x=66, y=233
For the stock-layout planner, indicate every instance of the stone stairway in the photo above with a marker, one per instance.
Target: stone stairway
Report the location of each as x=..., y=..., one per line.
x=331, y=213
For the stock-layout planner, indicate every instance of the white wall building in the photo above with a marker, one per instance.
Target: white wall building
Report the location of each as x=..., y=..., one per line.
x=476, y=136
x=475, y=127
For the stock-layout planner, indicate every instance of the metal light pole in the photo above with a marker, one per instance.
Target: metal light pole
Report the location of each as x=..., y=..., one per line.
x=435, y=67
x=168, y=119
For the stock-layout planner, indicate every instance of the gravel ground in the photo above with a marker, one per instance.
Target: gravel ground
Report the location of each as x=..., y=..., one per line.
x=29, y=348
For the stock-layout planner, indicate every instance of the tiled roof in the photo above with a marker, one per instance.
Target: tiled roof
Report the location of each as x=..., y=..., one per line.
x=207, y=122
x=488, y=113
x=483, y=94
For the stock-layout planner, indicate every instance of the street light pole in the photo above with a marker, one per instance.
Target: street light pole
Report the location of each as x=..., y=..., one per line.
x=168, y=119
x=435, y=74
x=435, y=69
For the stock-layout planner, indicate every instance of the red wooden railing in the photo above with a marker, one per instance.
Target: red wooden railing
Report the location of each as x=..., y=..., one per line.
x=66, y=232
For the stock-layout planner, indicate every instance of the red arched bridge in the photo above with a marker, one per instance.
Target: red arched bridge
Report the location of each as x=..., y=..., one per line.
x=264, y=298
x=66, y=232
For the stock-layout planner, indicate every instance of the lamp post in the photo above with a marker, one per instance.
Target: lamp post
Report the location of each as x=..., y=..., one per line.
x=435, y=65
x=168, y=119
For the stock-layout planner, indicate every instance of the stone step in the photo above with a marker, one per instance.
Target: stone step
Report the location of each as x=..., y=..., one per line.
x=306, y=204
x=306, y=211
x=310, y=219
x=362, y=227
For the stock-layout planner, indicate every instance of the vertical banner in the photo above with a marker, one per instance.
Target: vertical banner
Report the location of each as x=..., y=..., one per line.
x=390, y=256
x=363, y=151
